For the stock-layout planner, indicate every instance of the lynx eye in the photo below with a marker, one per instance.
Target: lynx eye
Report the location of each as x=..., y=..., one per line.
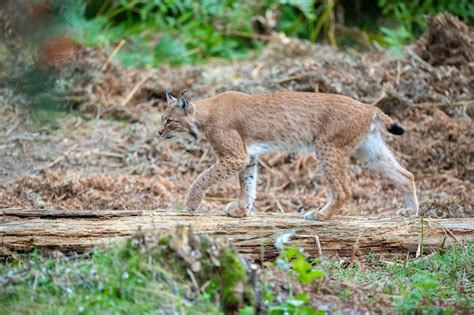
x=168, y=122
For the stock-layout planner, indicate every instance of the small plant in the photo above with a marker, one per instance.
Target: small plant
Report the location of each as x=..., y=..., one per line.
x=396, y=38
x=295, y=258
x=422, y=294
x=295, y=263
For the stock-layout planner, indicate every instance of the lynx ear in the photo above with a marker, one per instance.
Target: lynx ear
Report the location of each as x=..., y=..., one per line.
x=185, y=105
x=170, y=99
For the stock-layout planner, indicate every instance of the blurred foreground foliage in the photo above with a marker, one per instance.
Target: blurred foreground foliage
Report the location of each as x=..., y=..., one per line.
x=177, y=32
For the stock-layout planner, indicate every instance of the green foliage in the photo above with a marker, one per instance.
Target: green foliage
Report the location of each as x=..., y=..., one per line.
x=410, y=17
x=177, y=32
x=168, y=31
x=396, y=38
x=301, y=266
x=307, y=18
x=127, y=278
x=295, y=263
x=439, y=283
x=234, y=276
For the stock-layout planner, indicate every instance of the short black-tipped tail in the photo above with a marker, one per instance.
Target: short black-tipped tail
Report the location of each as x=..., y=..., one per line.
x=396, y=129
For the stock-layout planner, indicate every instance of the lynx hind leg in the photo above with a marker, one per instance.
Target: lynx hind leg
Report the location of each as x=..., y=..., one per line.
x=333, y=164
x=376, y=156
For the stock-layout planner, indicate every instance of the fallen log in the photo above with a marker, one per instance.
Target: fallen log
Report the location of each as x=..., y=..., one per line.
x=253, y=236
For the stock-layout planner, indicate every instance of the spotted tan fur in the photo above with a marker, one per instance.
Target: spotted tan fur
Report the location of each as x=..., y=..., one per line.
x=240, y=127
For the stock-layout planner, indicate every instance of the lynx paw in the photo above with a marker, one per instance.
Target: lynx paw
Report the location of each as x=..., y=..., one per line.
x=405, y=213
x=233, y=210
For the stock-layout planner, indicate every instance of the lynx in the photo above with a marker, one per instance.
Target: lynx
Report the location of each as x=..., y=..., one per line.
x=240, y=127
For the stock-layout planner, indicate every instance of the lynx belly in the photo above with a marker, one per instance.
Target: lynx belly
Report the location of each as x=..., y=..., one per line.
x=257, y=149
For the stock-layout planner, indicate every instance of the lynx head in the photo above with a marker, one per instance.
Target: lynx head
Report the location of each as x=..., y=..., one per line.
x=178, y=118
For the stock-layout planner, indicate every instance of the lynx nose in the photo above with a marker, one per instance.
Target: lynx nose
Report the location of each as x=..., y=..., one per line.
x=160, y=132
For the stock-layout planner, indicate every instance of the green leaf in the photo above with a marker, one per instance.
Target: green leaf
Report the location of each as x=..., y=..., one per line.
x=170, y=50
x=302, y=297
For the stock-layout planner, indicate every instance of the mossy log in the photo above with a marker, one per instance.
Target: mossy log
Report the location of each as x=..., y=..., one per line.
x=73, y=230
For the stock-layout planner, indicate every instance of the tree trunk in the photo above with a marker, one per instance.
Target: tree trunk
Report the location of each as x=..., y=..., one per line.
x=77, y=230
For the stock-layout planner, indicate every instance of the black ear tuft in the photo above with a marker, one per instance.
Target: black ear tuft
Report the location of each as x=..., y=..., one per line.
x=169, y=98
x=183, y=102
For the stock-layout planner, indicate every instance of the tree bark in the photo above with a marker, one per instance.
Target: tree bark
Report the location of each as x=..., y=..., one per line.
x=22, y=230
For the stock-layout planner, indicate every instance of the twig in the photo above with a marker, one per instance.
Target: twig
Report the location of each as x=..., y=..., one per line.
x=454, y=236
x=193, y=279
x=10, y=130
x=379, y=98
x=405, y=262
x=278, y=204
x=76, y=98
x=34, y=198
x=419, y=250
x=109, y=154
x=423, y=258
x=135, y=89
x=257, y=69
x=227, y=199
x=355, y=33
x=399, y=73
x=390, y=263
x=267, y=167
x=250, y=35
x=62, y=156
x=447, y=237
x=318, y=245
x=331, y=26
x=291, y=78
x=356, y=246
x=458, y=103
x=112, y=55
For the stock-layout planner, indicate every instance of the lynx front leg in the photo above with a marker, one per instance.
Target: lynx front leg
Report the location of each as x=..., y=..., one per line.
x=231, y=159
x=248, y=186
x=218, y=172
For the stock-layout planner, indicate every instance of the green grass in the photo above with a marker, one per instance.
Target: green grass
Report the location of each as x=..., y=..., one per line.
x=442, y=282
x=132, y=278
x=123, y=280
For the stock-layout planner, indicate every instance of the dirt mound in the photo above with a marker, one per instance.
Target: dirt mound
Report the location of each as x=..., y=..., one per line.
x=448, y=46
x=436, y=141
x=447, y=41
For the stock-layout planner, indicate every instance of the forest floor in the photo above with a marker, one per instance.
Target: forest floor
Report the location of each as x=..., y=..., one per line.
x=106, y=154
x=111, y=157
